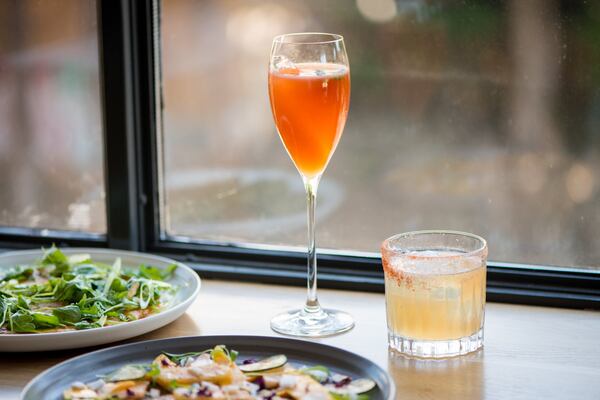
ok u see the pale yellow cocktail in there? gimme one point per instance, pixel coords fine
(435, 295)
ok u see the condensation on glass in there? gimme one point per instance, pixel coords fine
(50, 122)
(476, 116)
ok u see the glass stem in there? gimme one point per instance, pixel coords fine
(312, 303)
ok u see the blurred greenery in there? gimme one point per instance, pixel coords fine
(468, 21)
(585, 24)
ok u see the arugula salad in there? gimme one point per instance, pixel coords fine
(61, 293)
(214, 374)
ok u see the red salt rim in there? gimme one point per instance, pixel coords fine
(403, 276)
(398, 275)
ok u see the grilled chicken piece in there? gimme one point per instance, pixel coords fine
(77, 392)
(163, 361)
(179, 375)
(238, 394)
(221, 372)
(302, 387)
(187, 394)
(201, 369)
(132, 390)
(139, 314)
(171, 372)
(200, 391)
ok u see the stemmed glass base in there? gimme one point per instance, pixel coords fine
(323, 322)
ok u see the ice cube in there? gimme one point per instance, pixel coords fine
(282, 62)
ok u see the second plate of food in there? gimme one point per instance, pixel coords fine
(240, 367)
(78, 297)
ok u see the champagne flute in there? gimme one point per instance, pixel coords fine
(309, 90)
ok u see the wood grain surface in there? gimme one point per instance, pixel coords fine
(529, 352)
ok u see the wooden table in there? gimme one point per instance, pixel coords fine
(530, 352)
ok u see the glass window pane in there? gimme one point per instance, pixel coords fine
(50, 121)
(477, 116)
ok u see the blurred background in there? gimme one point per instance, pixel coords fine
(482, 116)
(50, 121)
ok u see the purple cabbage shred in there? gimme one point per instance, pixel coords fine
(343, 382)
(260, 381)
(204, 391)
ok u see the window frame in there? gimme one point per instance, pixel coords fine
(129, 44)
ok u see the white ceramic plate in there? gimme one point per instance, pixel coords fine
(184, 278)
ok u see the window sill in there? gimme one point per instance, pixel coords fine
(530, 352)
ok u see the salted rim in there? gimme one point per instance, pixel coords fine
(335, 38)
(385, 246)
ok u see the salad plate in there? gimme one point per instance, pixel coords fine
(165, 362)
(72, 323)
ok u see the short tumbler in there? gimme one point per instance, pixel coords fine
(435, 292)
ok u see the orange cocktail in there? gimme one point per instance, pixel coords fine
(310, 104)
(309, 88)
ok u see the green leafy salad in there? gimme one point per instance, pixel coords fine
(60, 293)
